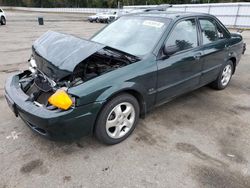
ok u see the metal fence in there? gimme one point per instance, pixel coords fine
(231, 14)
(64, 10)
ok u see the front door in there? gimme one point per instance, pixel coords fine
(181, 71)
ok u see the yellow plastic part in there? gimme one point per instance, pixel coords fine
(60, 99)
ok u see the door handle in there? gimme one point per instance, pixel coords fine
(227, 46)
(197, 56)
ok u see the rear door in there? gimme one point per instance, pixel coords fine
(214, 46)
(180, 72)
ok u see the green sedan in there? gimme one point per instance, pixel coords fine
(101, 86)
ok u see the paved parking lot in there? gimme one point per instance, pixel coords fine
(200, 139)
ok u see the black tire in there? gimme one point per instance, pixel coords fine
(100, 128)
(3, 20)
(217, 84)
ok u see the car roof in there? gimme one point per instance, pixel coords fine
(168, 14)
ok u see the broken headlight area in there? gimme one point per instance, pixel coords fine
(41, 89)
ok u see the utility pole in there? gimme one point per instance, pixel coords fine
(118, 4)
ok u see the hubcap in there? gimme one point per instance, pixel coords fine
(226, 75)
(120, 120)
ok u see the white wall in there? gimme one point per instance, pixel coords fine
(231, 14)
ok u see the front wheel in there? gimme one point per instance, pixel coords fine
(118, 119)
(224, 77)
(3, 21)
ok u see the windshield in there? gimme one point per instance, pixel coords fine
(134, 35)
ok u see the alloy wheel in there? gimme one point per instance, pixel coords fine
(226, 75)
(120, 120)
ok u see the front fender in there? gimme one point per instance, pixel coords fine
(140, 77)
(106, 92)
(126, 86)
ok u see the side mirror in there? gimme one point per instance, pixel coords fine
(170, 50)
(220, 35)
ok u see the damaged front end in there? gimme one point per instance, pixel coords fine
(44, 92)
(61, 61)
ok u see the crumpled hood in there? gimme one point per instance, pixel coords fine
(58, 54)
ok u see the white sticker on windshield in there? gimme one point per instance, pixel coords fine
(153, 23)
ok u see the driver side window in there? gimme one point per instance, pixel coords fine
(183, 37)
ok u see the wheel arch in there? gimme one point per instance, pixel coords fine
(139, 97)
(233, 59)
(135, 93)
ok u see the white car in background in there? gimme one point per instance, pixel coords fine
(94, 18)
(111, 16)
(103, 17)
(2, 17)
(106, 17)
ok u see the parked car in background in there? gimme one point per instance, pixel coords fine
(112, 16)
(101, 86)
(94, 18)
(118, 14)
(107, 17)
(2, 17)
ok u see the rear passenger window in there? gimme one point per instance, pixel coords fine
(1, 10)
(184, 35)
(210, 32)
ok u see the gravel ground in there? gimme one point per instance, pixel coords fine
(200, 139)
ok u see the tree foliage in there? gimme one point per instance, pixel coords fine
(99, 3)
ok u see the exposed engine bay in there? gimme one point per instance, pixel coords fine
(39, 87)
(95, 66)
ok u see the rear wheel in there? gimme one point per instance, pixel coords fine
(224, 77)
(3, 20)
(117, 119)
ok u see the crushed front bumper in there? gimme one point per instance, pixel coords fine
(56, 125)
